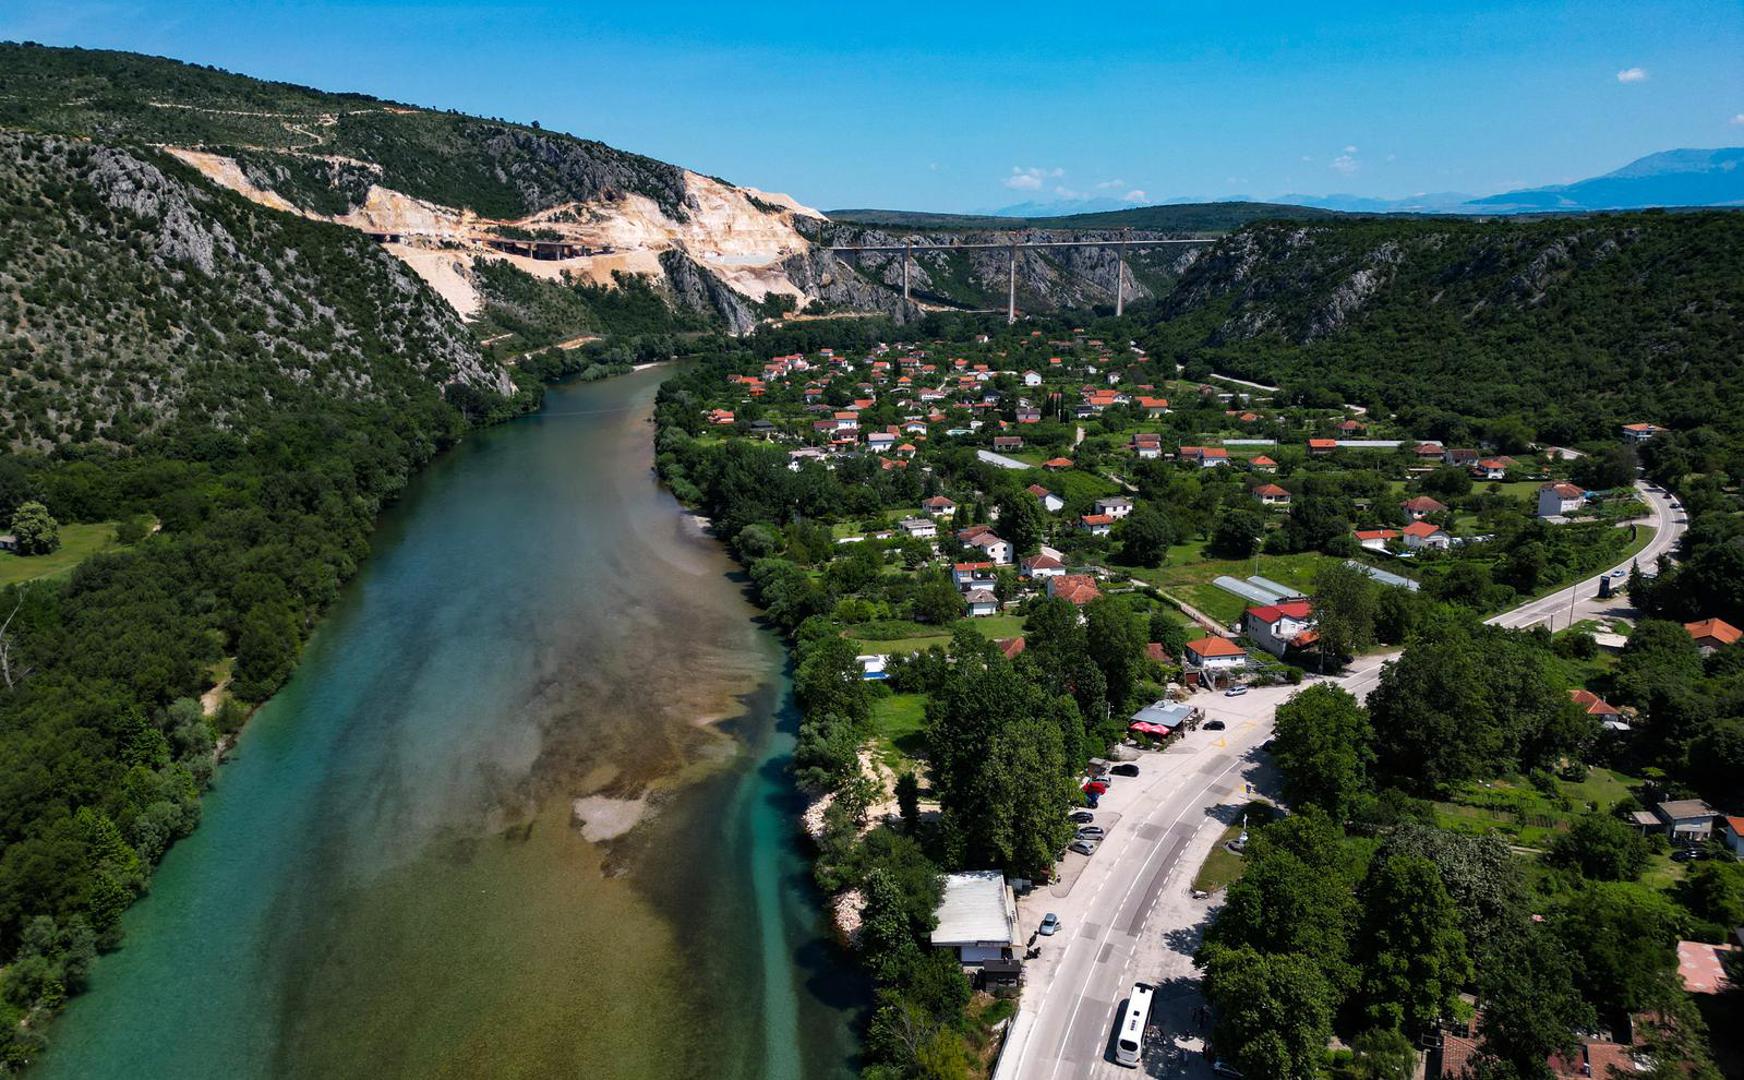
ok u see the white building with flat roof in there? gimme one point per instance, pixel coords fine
(977, 916)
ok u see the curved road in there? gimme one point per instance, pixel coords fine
(1126, 913)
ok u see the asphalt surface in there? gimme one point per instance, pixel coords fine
(1127, 914)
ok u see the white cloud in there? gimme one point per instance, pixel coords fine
(1030, 178)
(1737, 120)
(1135, 195)
(1110, 185)
(1350, 149)
(1307, 157)
(1634, 74)
(1344, 164)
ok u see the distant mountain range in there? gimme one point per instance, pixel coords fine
(1671, 178)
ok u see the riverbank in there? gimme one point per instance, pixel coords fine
(541, 628)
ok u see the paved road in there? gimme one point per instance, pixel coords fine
(1127, 913)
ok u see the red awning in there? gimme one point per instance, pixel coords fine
(1148, 728)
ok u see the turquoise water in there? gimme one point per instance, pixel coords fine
(391, 879)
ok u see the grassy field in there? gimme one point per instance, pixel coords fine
(991, 627)
(1223, 867)
(1189, 579)
(78, 543)
(899, 726)
(1520, 813)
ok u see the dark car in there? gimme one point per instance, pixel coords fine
(1092, 832)
(1127, 769)
(1214, 725)
(1689, 854)
(1083, 817)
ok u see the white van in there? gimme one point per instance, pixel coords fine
(1129, 1041)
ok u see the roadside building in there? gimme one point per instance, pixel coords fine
(1279, 628)
(919, 528)
(977, 917)
(1712, 634)
(1160, 718)
(1211, 657)
(1559, 499)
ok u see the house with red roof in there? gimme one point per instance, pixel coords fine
(1729, 830)
(1712, 634)
(1096, 524)
(1273, 495)
(1558, 499)
(978, 602)
(1640, 432)
(1421, 507)
(1421, 534)
(1281, 627)
(1206, 457)
(1263, 463)
(1210, 657)
(1052, 503)
(1146, 446)
(1376, 539)
(1320, 447)
(1058, 464)
(1041, 567)
(972, 575)
(1078, 589)
(938, 506)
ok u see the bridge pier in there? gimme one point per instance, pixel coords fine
(1120, 274)
(907, 257)
(1011, 288)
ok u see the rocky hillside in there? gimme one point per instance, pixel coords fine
(134, 294)
(1572, 324)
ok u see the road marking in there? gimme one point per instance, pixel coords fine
(1072, 1017)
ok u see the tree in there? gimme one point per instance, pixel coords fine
(908, 798)
(1115, 639)
(1601, 847)
(1324, 748)
(1145, 536)
(1273, 1013)
(1414, 957)
(937, 601)
(1383, 1054)
(1022, 522)
(36, 531)
(1532, 1008)
(1169, 632)
(1237, 534)
(1344, 610)
(1622, 937)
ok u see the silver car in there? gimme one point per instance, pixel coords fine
(1084, 847)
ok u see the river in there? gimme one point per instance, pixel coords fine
(389, 881)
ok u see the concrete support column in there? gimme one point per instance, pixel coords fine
(1011, 289)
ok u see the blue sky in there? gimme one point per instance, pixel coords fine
(972, 106)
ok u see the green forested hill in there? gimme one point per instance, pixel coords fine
(133, 296)
(496, 168)
(1181, 217)
(1571, 324)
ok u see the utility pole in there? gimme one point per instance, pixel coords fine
(907, 257)
(1120, 274)
(1011, 289)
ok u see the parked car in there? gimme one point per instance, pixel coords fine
(1268, 744)
(1126, 769)
(1083, 847)
(1082, 817)
(1689, 854)
(1092, 832)
(1235, 691)
(1619, 572)
(1050, 925)
(1214, 725)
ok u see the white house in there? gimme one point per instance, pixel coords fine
(1421, 507)
(1686, 819)
(1214, 656)
(1421, 534)
(1147, 447)
(993, 547)
(1273, 495)
(1207, 457)
(1730, 831)
(1038, 567)
(1376, 539)
(938, 506)
(1032, 378)
(1640, 432)
(1114, 506)
(972, 575)
(919, 528)
(1278, 628)
(1556, 500)
(1096, 524)
(981, 602)
(1052, 503)
(977, 916)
